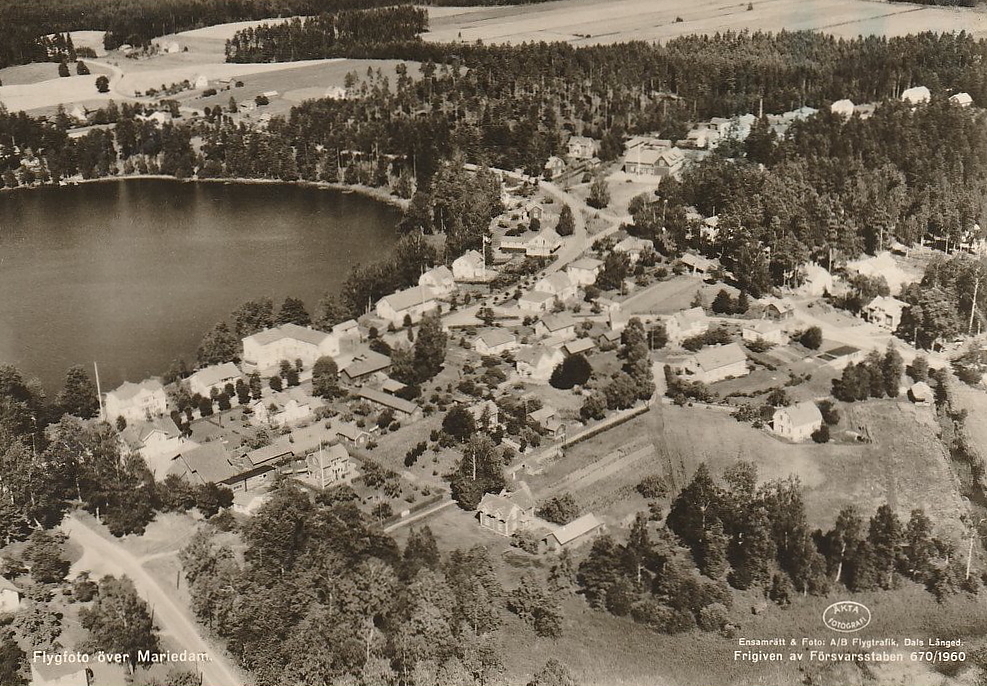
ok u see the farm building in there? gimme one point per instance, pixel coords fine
(717, 363)
(841, 356)
(573, 534)
(136, 401)
(797, 422)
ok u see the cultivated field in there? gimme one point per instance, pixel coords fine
(589, 22)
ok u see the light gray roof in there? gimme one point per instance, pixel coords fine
(210, 376)
(719, 356)
(409, 297)
(557, 322)
(802, 414)
(128, 390)
(576, 528)
(290, 330)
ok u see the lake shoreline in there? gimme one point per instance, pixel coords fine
(378, 194)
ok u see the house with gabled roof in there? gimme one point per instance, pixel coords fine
(686, 324)
(495, 342)
(537, 362)
(202, 464)
(961, 99)
(412, 302)
(439, 279)
(916, 95)
(561, 326)
(535, 301)
(351, 433)
(717, 363)
(797, 422)
(767, 330)
(364, 366)
(554, 167)
(215, 376)
(557, 284)
(330, 465)
(885, 311)
(10, 597)
(469, 267)
(634, 246)
(402, 409)
(573, 534)
(506, 512)
(582, 147)
(266, 349)
(136, 401)
(583, 272)
(156, 440)
(545, 244)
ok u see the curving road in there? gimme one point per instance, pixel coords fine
(170, 616)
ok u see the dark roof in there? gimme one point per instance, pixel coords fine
(367, 363)
(388, 400)
(209, 462)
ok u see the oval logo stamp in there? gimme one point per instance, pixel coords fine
(846, 616)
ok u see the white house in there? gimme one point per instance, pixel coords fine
(535, 301)
(698, 264)
(330, 465)
(10, 597)
(469, 267)
(844, 108)
(961, 99)
(495, 342)
(505, 513)
(554, 167)
(172, 47)
(216, 376)
(440, 279)
(686, 324)
(561, 326)
(884, 311)
(710, 365)
(279, 413)
(136, 401)
(583, 272)
(583, 147)
(650, 162)
(486, 414)
(201, 82)
(916, 95)
(537, 362)
(544, 244)
(573, 534)
(766, 330)
(634, 246)
(413, 302)
(157, 441)
(558, 285)
(797, 422)
(265, 349)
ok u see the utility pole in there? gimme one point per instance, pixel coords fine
(99, 393)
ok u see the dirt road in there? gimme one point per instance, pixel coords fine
(171, 618)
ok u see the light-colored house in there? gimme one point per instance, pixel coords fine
(580, 346)
(278, 413)
(686, 324)
(216, 376)
(439, 279)
(10, 597)
(961, 99)
(916, 95)
(495, 342)
(573, 534)
(469, 267)
(921, 393)
(583, 272)
(884, 311)
(202, 464)
(651, 162)
(487, 411)
(554, 167)
(537, 362)
(776, 308)
(561, 326)
(156, 440)
(766, 330)
(330, 465)
(557, 284)
(548, 419)
(535, 301)
(403, 409)
(201, 82)
(844, 108)
(413, 302)
(266, 349)
(171, 48)
(136, 401)
(717, 363)
(544, 244)
(506, 512)
(797, 422)
(816, 281)
(582, 147)
(634, 246)
(60, 674)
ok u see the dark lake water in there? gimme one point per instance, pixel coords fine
(133, 273)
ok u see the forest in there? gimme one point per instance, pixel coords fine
(326, 34)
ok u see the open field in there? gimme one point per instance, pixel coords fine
(904, 465)
(585, 22)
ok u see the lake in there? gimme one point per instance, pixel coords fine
(132, 273)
